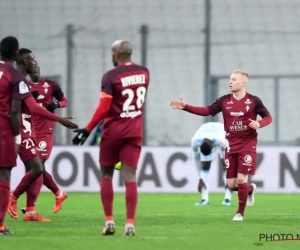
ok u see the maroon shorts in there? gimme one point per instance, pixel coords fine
(45, 144)
(7, 148)
(243, 163)
(126, 150)
(28, 149)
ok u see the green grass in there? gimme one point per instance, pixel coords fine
(164, 221)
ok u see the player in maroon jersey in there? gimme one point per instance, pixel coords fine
(44, 91)
(14, 98)
(10, 138)
(121, 105)
(29, 154)
(240, 110)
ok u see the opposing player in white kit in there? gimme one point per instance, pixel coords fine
(208, 140)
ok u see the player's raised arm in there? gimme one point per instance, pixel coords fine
(35, 108)
(212, 109)
(99, 115)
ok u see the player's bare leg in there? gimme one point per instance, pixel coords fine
(4, 193)
(203, 186)
(107, 198)
(31, 182)
(131, 195)
(60, 195)
(244, 189)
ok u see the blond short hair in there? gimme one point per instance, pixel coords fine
(241, 72)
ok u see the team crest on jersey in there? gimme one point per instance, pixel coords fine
(248, 102)
(247, 108)
(46, 86)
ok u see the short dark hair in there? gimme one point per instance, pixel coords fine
(23, 51)
(206, 147)
(9, 47)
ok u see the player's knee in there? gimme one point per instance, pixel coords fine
(5, 174)
(37, 168)
(107, 172)
(242, 179)
(129, 173)
(232, 184)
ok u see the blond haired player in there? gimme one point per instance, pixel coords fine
(208, 141)
(239, 110)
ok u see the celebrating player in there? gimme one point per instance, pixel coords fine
(240, 110)
(43, 90)
(121, 106)
(209, 139)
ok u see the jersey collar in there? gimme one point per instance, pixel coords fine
(126, 64)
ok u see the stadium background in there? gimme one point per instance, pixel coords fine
(186, 55)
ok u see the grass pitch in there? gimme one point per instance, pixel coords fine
(164, 221)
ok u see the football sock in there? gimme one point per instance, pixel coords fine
(59, 194)
(227, 190)
(205, 179)
(32, 193)
(23, 185)
(196, 158)
(250, 189)
(224, 179)
(243, 196)
(107, 197)
(227, 193)
(4, 194)
(131, 197)
(50, 184)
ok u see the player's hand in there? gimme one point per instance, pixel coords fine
(82, 135)
(35, 94)
(65, 121)
(52, 106)
(180, 104)
(254, 124)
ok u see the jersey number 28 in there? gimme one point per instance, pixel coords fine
(140, 93)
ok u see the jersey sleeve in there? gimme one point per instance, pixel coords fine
(57, 92)
(260, 108)
(19, 87)
(107, 84)
(196, 142)
(216, 106)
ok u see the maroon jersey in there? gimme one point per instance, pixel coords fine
(236, 114)
(13, 85)
(46, 91)
(127, 84)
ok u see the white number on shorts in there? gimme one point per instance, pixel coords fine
(227, 163)
(140, 93)
(1, 73)
(28, 143)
